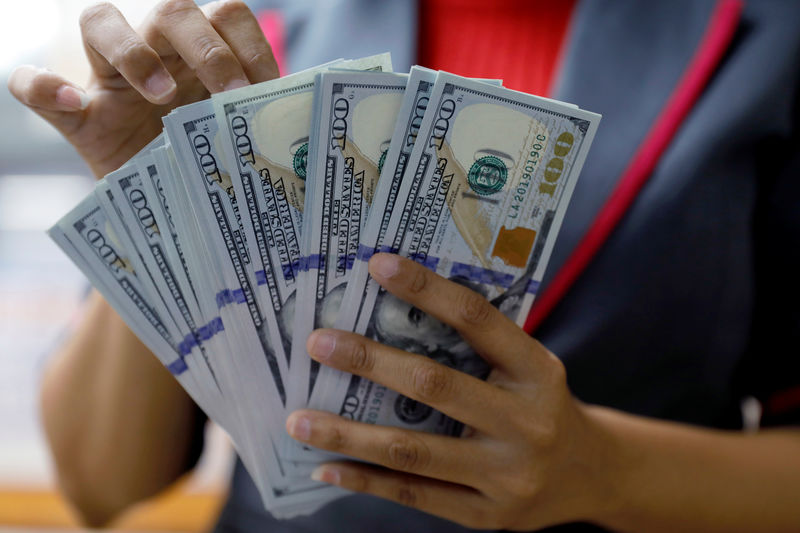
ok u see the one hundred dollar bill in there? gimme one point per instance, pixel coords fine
(86, 236)
(251, 373)
(362, 288)
(357, 112)
(155, 175)
(486, 188)
(373, 234)
(264, 141)
(99, 263)
(194, 136)
(122, 231)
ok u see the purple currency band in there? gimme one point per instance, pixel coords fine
(314, 261)
(481, 275)
(226, 296)
(532, 287)
(425, 260)
(177, 367)
(345, 262)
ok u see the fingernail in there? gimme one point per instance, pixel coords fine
(159, 85)
(236, 84)
(300, 428)
(327, 474)
(384, 265)
(322, 346)
(72, 97)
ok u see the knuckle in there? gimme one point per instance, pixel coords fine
(474, 309)
(260, 60)
(545, 436)
(129, 51)
(359, 482)
(418, 281)
(36, 89)
(407, 454)
(406, 494)
(521, 488)
(558, 373)
(431, 382)
(361, 359)
(334, 439)
(213, 53)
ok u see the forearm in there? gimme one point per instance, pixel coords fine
(672, 477)
(118, 424)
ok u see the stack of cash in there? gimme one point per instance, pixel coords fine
(249, 221)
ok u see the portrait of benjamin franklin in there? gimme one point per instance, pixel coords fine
(400, 324)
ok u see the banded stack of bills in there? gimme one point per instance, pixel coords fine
(249, 222)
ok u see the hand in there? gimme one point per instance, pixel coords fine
(530, 456)
(180, 55)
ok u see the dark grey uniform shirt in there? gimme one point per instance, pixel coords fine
(692, 304)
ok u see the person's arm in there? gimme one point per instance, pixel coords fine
(673, 477)
(119, 426)
(535, 456)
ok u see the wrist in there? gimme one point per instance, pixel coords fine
(609, 463)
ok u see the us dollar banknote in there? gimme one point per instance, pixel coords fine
(372, 237)
(251, 374)
(485, 191)
(136, 213)
(86, 235)
(193, 133)
(357, 113)
(264, 140)
(154, 176)
(122, 230)
(362, 288)
(130, 215)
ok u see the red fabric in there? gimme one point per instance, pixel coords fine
(518, 41)
(713, 45)
(271, 23)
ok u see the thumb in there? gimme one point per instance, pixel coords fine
(60, 102)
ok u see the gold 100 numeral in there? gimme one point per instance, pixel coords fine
(554, 167)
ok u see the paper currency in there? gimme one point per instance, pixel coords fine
(249, 222)
(357, 113)
(484, 193)
(265, 140)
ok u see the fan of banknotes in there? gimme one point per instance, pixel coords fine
(249, 221)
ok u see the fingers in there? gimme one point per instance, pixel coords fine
(180, 26)
(46, 91)
(456, 503)
(52, 97)
(493, 335)
(235, 23)
(435, 456)
(114, 48)
(454, 393)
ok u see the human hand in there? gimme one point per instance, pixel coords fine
(531, 455)
(180, 55)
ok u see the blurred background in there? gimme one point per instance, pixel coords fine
(41, 292)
